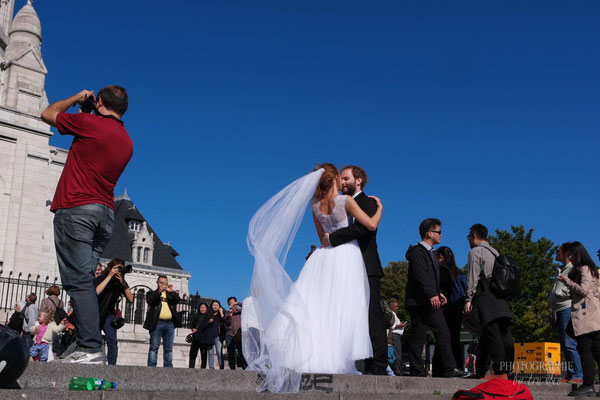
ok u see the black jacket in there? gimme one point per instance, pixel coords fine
(153, 300)
(367, 240)
(206, 331)
(423, 282)
(16, 321)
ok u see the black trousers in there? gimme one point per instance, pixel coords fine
(377, 329)
(588, 347)
(204, 348)
(232, 346)
(496, 343)
(454, 322)
(422, 319)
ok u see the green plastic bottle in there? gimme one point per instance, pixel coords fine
(79, 383)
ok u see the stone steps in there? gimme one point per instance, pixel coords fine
(49, 381)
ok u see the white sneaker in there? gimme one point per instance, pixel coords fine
(82, 357)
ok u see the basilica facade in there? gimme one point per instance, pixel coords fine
(29, 172)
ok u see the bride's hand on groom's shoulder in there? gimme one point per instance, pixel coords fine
(377, 200)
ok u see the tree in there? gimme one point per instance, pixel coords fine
(393, 285)
(536, 263)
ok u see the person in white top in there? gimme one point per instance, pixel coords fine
(396, 337)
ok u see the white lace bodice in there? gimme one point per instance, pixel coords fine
(337, 219)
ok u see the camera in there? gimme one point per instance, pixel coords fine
(88, 105)
(125, 269)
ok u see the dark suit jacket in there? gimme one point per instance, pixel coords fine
(153, 313)
(423, 282)
(367, 240)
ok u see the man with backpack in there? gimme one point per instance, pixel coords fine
(486, 315)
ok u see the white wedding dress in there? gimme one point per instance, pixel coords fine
(318, 324)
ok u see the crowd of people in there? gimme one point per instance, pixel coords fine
(443, 299)
(213, 328)
(439, 297)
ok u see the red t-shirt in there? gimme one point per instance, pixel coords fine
(99, 153)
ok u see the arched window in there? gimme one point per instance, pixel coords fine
(140, 305)
(128, 315)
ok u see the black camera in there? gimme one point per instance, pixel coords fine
(88, 105)
(125, 269)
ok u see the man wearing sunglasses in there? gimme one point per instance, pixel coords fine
(424, 301)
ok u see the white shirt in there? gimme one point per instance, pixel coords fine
(350, 216)
(398, 331)
(428, 247)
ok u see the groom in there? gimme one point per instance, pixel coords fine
(354, 180)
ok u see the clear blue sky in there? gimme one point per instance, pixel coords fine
(467, 111)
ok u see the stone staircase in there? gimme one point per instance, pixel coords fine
(50, 381)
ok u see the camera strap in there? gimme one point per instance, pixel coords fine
(98, 113)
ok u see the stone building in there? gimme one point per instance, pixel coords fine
(29, 166)
(134, 241)
(29, 172)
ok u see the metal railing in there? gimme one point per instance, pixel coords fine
(17, 288)
(13, 289)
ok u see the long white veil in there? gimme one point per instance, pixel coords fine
(274, 318)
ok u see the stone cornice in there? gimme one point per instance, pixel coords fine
(20, 127)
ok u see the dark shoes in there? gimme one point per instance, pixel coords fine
(583, 391)
(455, 373)
(377, 371)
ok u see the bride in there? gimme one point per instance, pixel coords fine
(318, 324)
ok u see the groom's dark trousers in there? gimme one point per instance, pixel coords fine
(367, 241)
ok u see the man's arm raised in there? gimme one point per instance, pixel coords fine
(50, 113)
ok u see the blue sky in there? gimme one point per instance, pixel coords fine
(466, 111)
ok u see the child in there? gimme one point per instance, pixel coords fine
(43, 331)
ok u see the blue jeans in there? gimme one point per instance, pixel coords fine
(110, 337)
(218, 347)
(166, 331)
(80, 235)
(568, 344)
(40, 350)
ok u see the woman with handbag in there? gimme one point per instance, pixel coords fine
(110, 286)
(204, 333)
(582, 281)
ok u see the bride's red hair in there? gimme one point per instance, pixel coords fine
(328, 178)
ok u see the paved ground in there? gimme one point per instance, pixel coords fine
(50, 381)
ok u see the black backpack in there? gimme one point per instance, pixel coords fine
(505, 281)
(59, 313)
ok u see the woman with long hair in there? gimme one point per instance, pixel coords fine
(218, 313)
(452, 284)
(319, 323)
(110, 286)
(204, 331)
(582, 281)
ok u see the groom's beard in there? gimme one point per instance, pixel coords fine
(349, 190)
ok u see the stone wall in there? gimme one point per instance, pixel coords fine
(134, 342)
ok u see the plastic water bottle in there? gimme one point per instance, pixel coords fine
(79, 383)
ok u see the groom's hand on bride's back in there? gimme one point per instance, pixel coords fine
(325, 240)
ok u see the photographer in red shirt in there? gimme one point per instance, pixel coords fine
(84, 202)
